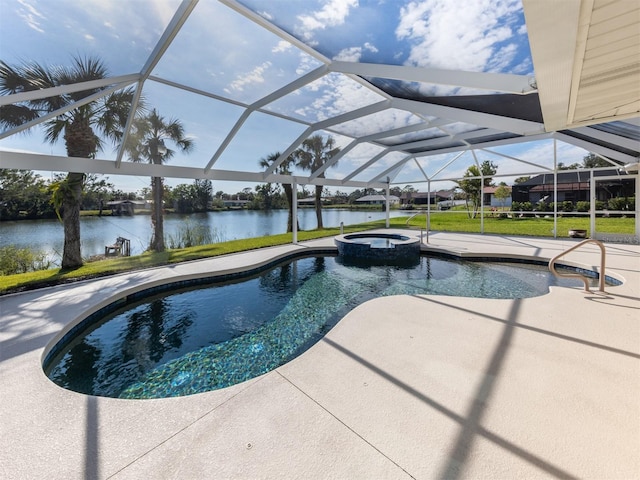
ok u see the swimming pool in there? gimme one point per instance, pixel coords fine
(198, 339)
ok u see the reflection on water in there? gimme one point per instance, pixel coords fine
(200, 339)
(96, 232)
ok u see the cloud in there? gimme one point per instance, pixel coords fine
(354, 54)
(351, 54)
(333, 13)
(30, 15)
(282, 46)
(335, 94)
(502, 58)
(254, 76)
(461, 35)
(372, 48)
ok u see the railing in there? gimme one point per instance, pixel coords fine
(411, 217)
(582, 277)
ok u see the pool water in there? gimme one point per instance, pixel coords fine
(205, 338)
(376, 242)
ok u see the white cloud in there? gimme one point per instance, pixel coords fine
(282, 46)
(332, 14)
(351, 54)
(254, 76)
(338, 94)
(265, 14)
(372, 48)
(502, 58)
(354, 54)
(306, 64)
(460, 35)
(30, 15)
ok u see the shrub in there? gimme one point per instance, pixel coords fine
(544, 207)
(583, 206)
(21, 260)
(619, 203)
(567, 206)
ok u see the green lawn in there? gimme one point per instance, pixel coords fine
(451, 221)
(456, 221)
(41, 278)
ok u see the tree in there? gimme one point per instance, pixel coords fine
(78, 126)
(573, 166)
(397, 191)
(265, 198)
(146, 143)
(96, 192)
(203, 194)
(472, 187)
(502, 193)
(592, 160)
(314, 153)
(192, 198)
(184, 198)
(23, 194)
(283, 169)
(341, 197)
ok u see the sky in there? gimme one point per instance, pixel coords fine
(228, 55)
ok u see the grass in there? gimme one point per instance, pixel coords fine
(457, 221)
(450, 221)
(110, 266)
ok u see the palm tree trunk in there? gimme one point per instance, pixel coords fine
(157, 239)
(288, 192)
(80, 142)
(71, 256)
(319, 205)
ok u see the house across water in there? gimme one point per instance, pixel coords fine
(574, 186)
(127, 207)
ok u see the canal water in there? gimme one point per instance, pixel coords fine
(47, 236)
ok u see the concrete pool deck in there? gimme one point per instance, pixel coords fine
(403, 387)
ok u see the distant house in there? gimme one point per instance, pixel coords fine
(127, 207)
(422, 198)
(378, 200)
(235, 203)
(307, 202)
(574, 186)
(490, 199)
(310, 201)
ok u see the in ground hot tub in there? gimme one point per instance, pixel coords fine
(378, 247)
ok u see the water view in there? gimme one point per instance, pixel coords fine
(202, 338)
(96, 232)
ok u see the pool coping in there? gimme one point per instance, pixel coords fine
(312, 424)
(139, 292)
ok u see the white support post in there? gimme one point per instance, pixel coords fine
(481, 203)
(637, 208)
(388, 192)
(428, 219)
(294, 211)
(592, 205)
(555, 189)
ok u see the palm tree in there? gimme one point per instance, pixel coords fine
(312, 155)
(146, 143)
(78, 126)
(283, 169)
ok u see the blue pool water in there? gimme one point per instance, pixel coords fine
(204, 338)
